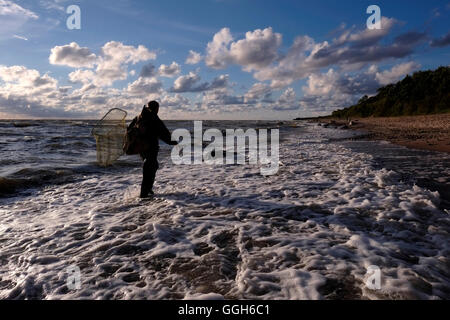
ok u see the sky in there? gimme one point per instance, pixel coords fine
(210, 59)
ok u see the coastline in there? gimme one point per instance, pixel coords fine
(424, 132)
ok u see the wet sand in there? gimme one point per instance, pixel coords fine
(429, 132)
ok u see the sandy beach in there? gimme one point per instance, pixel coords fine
(428, 132)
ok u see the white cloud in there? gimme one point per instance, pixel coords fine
(191, 83)
(186, 82)
(332, 89)
(115, 51)
(259, 91)
(220, 98)
(352, 50)
(396, 73)
(9, 8)
(217, 52)
(72, 55)
(144, 86)
(23, 88)
(177, 101)
(169, 71)
(321, 83)
(257, 50)
(19, 77)
(115, 56)
(288, 96)
(193, 57)
(351, 61)
(82, 76)
(111, 64)
(26, 92)
(287, 101)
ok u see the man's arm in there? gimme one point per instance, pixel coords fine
(164, 134)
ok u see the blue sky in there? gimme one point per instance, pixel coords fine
(249, 59)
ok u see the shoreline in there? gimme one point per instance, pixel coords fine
(423, 132)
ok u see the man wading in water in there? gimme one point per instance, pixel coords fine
(151, 129)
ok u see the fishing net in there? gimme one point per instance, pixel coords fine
(109, 134)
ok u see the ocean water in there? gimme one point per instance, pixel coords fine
(337, 205)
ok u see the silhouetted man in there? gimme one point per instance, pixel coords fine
(152, 129)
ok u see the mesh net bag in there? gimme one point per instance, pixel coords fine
(109, 134)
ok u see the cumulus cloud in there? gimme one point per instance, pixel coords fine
(220, 98)
(144, 86)
(37, 93)
(72, 55)
(217, 52)
(192, 83)
(287, 101)
(351, 50)
(19, 77)
(337, 72)
(332, 89)
(186, 83)
(321, 83)
(396, 73)
(293, 65)
(287, 96)
(115, 56)
(111, 64)
(193, 57)
(174, 101)
(169, 71)
(341, 85)
(259, 91)
(82, 76)
(26, 91)
(257, 50)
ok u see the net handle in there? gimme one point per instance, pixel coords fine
(98, 122)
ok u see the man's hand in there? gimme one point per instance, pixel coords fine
(173, 143)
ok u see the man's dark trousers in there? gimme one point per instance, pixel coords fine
(149, 172)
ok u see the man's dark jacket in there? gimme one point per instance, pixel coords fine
(152, 129)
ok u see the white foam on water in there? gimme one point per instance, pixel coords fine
(213, 232)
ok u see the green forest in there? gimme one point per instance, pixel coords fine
(425, 92)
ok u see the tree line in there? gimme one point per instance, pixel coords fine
(425, 92)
